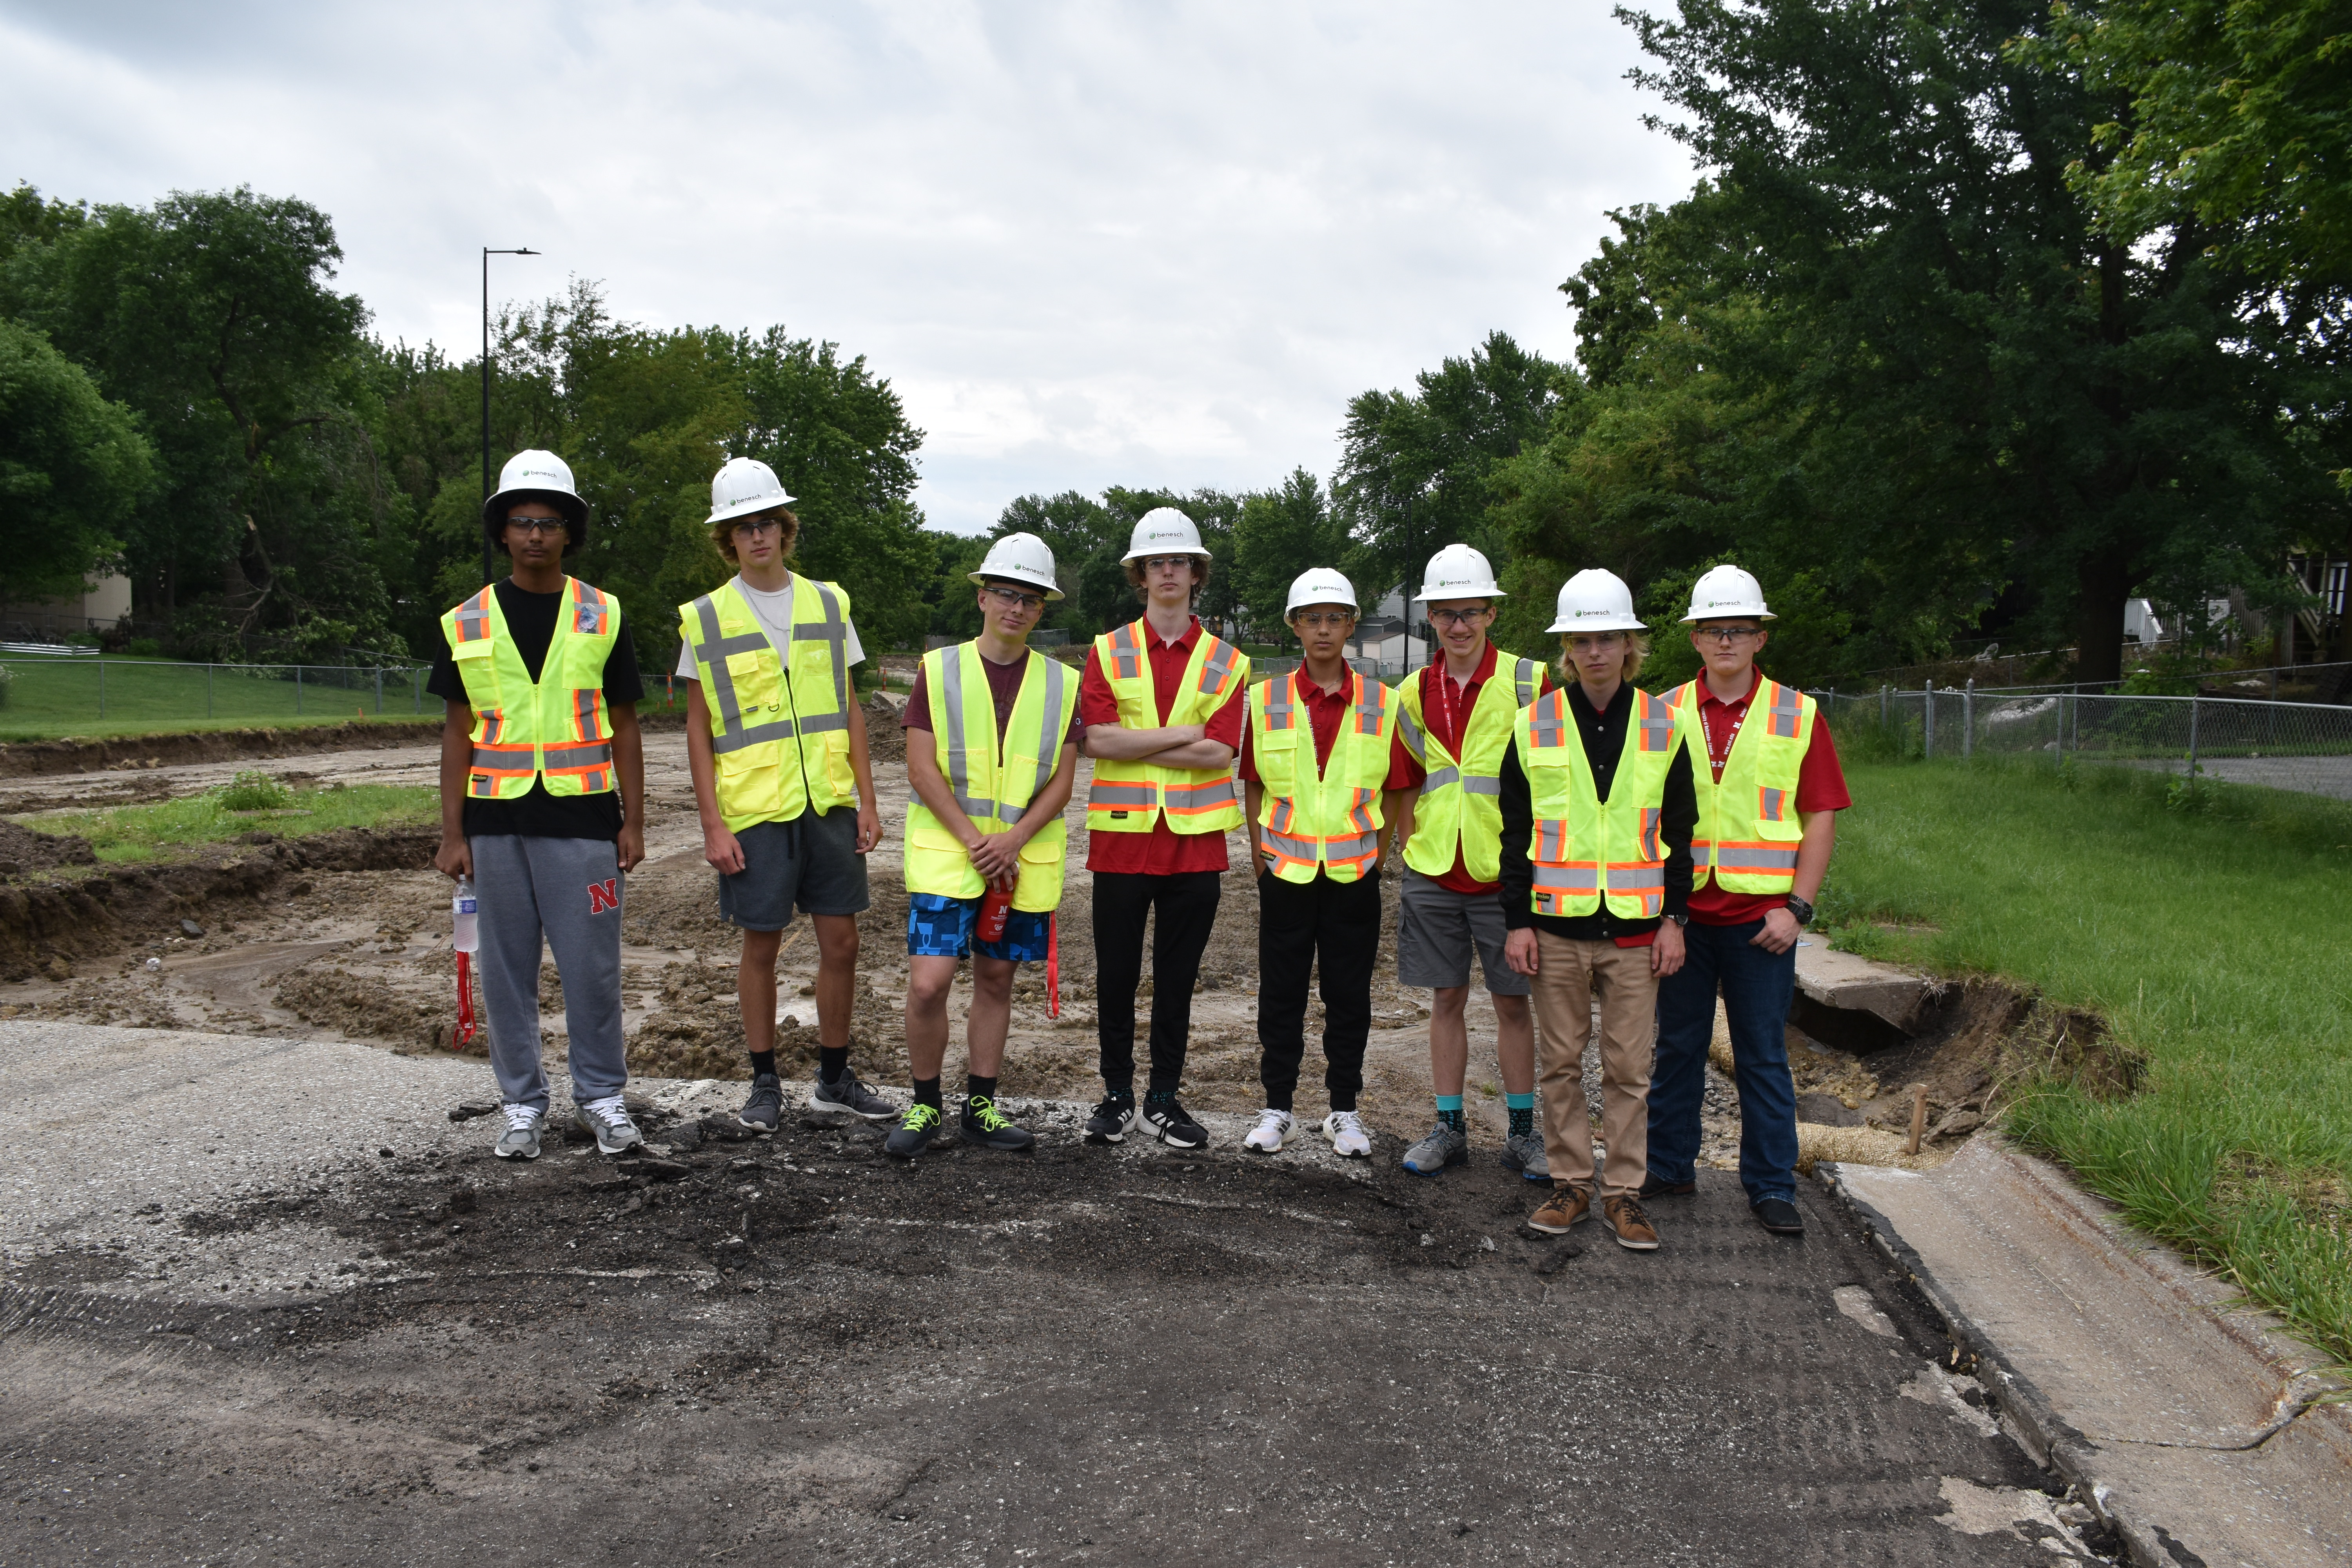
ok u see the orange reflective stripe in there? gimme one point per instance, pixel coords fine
(1218, 666)
(1549, 720)
(1127, 654)
(590, 609)
(1771, 804)
(473, 618)
(1192, 799)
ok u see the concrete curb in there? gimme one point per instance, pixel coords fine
(2028, 1412)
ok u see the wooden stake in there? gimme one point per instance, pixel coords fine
(1919, 1118)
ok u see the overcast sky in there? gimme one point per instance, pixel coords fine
(1089, 243)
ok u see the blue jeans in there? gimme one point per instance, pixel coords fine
(1758, 988)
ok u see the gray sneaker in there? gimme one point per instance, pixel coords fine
(1444, 1146)
(765, 1108)
(847, 1097)
(608, 1119)
(521, 1140)
(1524, 1152)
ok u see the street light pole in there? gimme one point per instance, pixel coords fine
(488, 567)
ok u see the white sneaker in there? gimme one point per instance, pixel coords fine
(608, 1119)
(1273, 1127)
(1349, 1139)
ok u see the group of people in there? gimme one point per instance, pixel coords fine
(1598, 851)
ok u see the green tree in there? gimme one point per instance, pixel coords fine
(73, 470)
(1280, 533)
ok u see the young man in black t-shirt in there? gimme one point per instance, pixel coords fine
(546, 863)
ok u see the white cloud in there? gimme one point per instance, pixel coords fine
(1090, 244)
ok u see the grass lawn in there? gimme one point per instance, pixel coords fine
(50, 697)
(130, 834)
(2209, 933)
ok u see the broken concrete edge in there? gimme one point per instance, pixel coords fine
(2028, 1415)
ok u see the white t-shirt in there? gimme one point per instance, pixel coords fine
(774, 614)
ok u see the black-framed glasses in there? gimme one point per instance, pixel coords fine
(1727, 635)
(752, 527)
(1457, 618)
(1012, 599)
(537, 525)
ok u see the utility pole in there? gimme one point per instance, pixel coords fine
(489, 567)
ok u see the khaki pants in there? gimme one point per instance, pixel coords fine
(1566, 974)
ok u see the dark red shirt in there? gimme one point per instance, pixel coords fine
(1324, 710)
(1163, 851)
(1003, 691)
(1445, 710)
(1821, 786)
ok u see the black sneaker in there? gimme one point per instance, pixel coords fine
(1172, 1125)
(1654, 1186)
(1780, 1216)
(1111, 1120)
(765, 1108)
(914, 1131)
(985, 1125)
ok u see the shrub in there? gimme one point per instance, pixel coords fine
(253, 790)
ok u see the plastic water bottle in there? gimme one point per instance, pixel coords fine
(465, 934)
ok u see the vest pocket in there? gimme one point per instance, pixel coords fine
(1043, 862)
(758, 693)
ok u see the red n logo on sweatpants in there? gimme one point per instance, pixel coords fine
(604, 895)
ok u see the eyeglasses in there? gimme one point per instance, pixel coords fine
(536, 525)
(1726, 635)
(1597, 642)
(1161, 563)
(1014, 601)
(1315, 620)
(758, 526)
(1457, 618)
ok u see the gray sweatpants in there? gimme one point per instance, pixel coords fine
(567, 890)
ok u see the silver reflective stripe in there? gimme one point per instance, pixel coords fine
(574, 756)
(1547, 722)
(589, 612)
(1772, 804)
(1527, 681)
(756, 735)
(823, 723)
(1350, 849)
(1219, 663)
(834, 632)
(1370, 701)
(1052, 728)
(976, 808)
(1277, 701)
(1786, 707)
(583, 710)
(1297, 848)
(1657, 725)
(1475, 784)
(1218, 791)
(959, 760)
(1568, 878)
(1413, 742)
(504, 761)
(1441, 779)
(473, 618)
(1645, 880)
(1121, 795)
(1734, 858)
(1551, 839)
(1702, 853)
(711, 650)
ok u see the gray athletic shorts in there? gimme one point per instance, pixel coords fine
(810, 863)
(1437, 931)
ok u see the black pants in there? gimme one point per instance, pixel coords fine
(1187, 906)
(1299, 922)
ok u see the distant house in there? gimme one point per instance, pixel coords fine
(104, 602)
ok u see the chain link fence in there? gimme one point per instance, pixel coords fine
(2303, 746)
(39, 694)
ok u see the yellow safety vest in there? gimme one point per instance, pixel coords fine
(555, 728)
(1747, 823)
(1128, 797)
(1327, 818)
(1584, 848)
(1460, 806)
(992, 777)
(781, 744)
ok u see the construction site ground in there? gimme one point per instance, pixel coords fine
(266, 1302)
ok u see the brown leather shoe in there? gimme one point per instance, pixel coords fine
(1659, 1187)
(1565, 1207)
(1635, 1231)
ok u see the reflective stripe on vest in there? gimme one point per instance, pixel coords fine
(1586, 850)
(1351, 822)
(779, 718)
(554, 730)
(1735, 847)
(1130, 795)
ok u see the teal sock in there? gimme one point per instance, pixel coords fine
(1449, 1111)
(1523, 1113)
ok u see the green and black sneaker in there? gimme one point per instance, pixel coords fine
(914, 1132)
(985, 1125)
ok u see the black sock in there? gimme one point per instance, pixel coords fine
(927, 1092)
(832, 1061)
(763, 1062)
(1523, 1121)
(1119, 1091)
(1334, 1102)
(978, 1088)
(1452, 1119)
(1160, 1097)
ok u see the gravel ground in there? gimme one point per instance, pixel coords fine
(234, 1332)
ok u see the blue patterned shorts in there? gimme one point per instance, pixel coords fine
(940, 927)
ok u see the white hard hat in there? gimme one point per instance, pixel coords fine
(1320, 585)
(1596, 601)
(1458, 572)
(743, 486)
(1019, 558)
(536, 476)
(1725, 591)
(1164, 531)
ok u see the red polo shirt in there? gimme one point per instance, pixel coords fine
(1324, 710)
(1445, 708)
(1821, 786)
(1163, 851)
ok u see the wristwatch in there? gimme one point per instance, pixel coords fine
(1679, 920)
(1802, 910)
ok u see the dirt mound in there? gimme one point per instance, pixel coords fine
(885, 738)
(696, 1030)
(363, 1007)
(22, 850)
